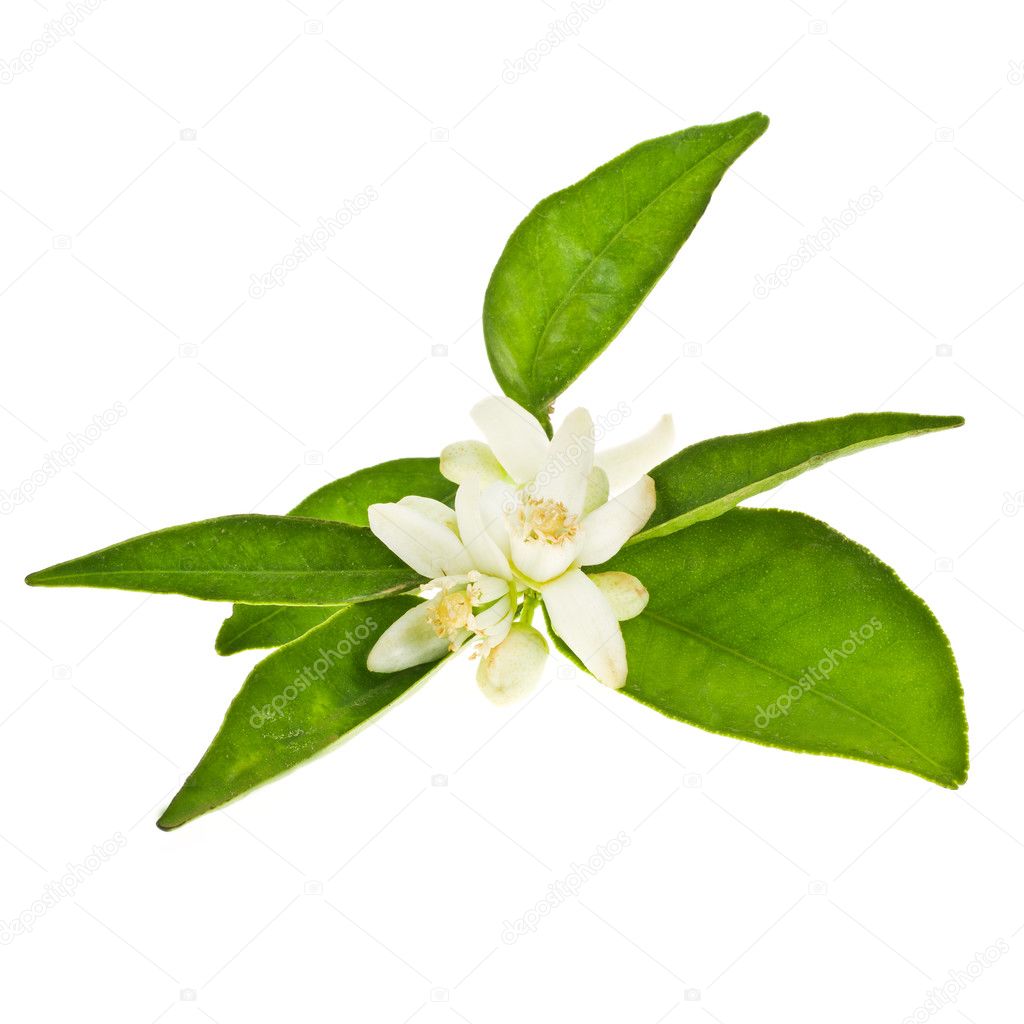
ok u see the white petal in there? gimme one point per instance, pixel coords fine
(626, 463)
(606, 529)
(597, 490)
(497, 502)
(484, 552)
(515, 437)
(497, 633)
(433, 509)
(514, 667)
(490, 617)
(567, 463)
(585, 621)
(490, 588)
(419, 540)
(627, 596)
(539, 561)
(465, 459)
(409, 640)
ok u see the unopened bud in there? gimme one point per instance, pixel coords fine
(513, 668)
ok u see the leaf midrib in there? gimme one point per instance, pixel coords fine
(209, 572)
(823, 694)
(625, 224)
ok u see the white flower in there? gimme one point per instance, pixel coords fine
(544, 507)
(476, 592)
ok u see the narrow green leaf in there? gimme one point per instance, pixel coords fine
(252, 626)
(345, 500)
(254, 559)
(584, 259)
(713, 476)
(295, 703)
(771, 627)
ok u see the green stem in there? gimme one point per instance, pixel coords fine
(531, 600)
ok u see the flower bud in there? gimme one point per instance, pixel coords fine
(513, 668)
(626, 594)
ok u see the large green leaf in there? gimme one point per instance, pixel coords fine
(294, 704)
(251, 558)
(711, 477)
(584, 259)
(772, 627)
(345, 500)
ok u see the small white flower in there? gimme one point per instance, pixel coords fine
(476, 592)
(544, 506)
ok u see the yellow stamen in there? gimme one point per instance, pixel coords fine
(546, 520)
(451, 615)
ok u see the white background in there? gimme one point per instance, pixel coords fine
(756, 884)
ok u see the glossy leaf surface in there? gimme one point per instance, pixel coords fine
(772, 627)
(584, 259)
(250, 558)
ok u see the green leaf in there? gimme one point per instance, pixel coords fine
(345, 500)
(294, 704)
(251, 558)
(711, 477)
(584, 259)
(251, 626)
(771, 627)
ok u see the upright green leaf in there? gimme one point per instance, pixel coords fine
(251, 558)
(345, 500)
(584, 259)
(771, 627)
(295, 703)
(713, 476)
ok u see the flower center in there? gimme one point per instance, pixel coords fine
(545, 520)
(451, 614)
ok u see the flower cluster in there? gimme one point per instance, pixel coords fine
(530, 514)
